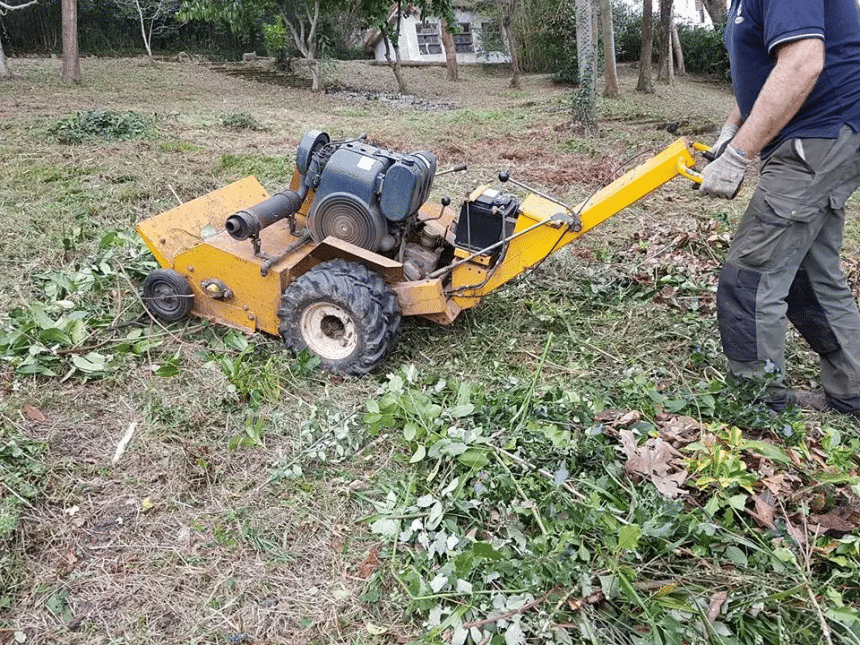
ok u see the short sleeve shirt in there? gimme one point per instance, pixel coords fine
(754, 31)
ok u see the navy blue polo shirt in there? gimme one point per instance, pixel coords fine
(754, 31)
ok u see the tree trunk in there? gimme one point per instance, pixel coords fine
(394, 64)
(665, 71)
(507, 21)
(717, 11)
(645, 83)
(610, 70)
(585, 95)
(680, 68)
(71, 56)
(450, 50)
(4, 71)
(147, 36)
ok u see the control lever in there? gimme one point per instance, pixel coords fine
(505, 176)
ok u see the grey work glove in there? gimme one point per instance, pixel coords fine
(724, 175)
(726, 135)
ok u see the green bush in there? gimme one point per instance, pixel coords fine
(277, 46)
(88, 125)
(627, 23)
(704, 51)
(241, 121)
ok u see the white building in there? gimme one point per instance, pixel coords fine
(479, 40)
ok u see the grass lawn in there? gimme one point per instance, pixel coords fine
(563, 464)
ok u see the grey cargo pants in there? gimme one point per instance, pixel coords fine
(784, 264)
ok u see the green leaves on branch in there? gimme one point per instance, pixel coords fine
(67, 328)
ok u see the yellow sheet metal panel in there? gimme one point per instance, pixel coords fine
(255, 299)
(420, 297)
(179, 229)
(332, 248)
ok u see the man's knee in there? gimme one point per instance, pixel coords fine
(736, 311)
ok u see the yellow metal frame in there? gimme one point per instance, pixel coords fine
(471, 281)
(191, 240)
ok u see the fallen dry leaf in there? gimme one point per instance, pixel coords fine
(717, 601)
(657, 460)
(764, 511)
(841, 520)
(33, 413)
(369, 564)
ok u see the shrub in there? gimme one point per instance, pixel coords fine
(241, 121)
(88, 125)
(704, 51)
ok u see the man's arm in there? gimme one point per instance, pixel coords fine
(798, 64)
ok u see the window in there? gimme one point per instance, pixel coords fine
(428, 38)
(491, 37)
(463, 40)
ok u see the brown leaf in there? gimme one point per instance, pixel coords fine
(764, 511)
(795, 533)
(33, 413)
(655, 459)
(369, 564)
(836, 520)
(775, 484)
(717, 601)
(670, 485)
(629, 419)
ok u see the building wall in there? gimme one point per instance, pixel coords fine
(411, 50)
(689, 12)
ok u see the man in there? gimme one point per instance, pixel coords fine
(796, 77)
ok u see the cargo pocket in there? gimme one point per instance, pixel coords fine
(779, 227)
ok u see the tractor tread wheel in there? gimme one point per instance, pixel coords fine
(167, 295)
(359, 295)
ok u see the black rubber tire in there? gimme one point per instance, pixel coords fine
(167, 295)
(342, 312)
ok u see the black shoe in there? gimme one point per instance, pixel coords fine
(797, 400)
(850, 406)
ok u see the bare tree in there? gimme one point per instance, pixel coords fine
(645, 83)
(610, 71)
(71, 55)
(303, 27)
(665, 67)
(4, 7)
(716, 10)
(680, 67)
(509, 8)
(154, 17)
(450, 50)
(585, 95)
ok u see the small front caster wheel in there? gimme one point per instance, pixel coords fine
(167, 295)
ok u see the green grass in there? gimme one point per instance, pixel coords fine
(260, 497)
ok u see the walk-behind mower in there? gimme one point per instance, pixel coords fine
(332, 263)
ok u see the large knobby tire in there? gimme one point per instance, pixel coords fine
(343, 313)
(167, 295)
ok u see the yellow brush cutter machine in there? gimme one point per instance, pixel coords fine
(333, 263)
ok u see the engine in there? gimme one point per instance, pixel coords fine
(363, 194)
(366, 195)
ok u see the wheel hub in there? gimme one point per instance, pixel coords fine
(328, 331)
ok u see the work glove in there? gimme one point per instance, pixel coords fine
(726, 135)
(724, 175)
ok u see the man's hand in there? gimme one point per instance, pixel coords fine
(727, 133)
(723, 176)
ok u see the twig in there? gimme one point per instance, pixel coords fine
(513, 612)
(174, 194)
(120, 448)
(20, 499)
(805, 572)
